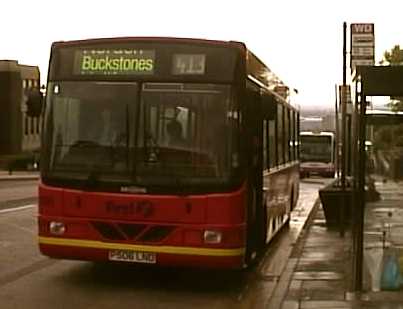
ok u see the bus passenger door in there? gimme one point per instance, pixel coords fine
(256, 211)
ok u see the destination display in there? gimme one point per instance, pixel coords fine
(114, 62)
(187, 64)
(145, 61)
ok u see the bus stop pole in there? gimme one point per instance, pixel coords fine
(337, 147)
(360, 201)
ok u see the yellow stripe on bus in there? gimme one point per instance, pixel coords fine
(156, 249)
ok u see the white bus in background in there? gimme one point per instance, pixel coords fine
(317, 154)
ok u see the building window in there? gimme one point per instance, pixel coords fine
(26, 123)
(38, 121)
(32, 126)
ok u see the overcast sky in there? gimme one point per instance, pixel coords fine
(301, 41)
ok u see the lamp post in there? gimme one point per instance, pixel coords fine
(343, 102)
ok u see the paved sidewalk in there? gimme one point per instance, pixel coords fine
(19, 175)
(320, 267)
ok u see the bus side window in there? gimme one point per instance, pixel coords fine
(286, 135)
(272, 143)
(292, 135)
(280, 134)
(265, 143)
(297, 136)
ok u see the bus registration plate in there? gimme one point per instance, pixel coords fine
(133, 256)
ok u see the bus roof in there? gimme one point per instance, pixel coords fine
(256, 70)
(95, 41)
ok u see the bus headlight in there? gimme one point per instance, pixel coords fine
(212, 237)
(57, 228)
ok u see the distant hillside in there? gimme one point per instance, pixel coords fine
(316, 111)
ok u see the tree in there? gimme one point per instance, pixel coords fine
(394, 57)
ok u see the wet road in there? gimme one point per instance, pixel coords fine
(29, 280)
(17, 193)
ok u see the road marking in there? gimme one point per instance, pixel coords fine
(17, 208)
(25, 271)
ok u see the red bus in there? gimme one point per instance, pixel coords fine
(164, 151)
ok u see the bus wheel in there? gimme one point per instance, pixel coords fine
(287, 223)
(262, 228)
(256, 242)
(292, 200)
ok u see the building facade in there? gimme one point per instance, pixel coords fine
(18, 132)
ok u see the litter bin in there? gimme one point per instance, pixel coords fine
(336, 203)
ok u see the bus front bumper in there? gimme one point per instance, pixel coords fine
(194, 257)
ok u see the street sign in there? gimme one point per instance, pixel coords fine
(362, 45)
(365, 51)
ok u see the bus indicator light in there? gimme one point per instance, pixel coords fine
(212, 237)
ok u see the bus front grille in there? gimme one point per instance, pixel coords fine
(156, 233)
(132, 232)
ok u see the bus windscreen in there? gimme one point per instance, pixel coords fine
(120, 132)
(316, 148)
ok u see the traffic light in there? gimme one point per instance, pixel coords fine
(34, 103)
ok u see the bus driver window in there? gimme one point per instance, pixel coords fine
(175, 130)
